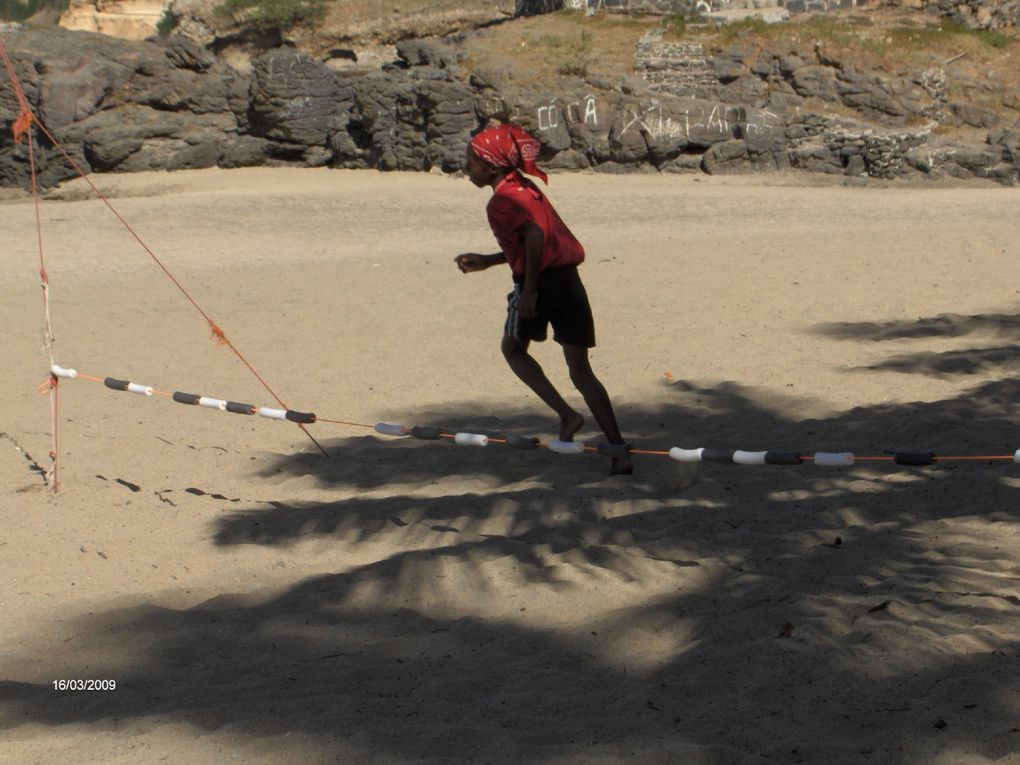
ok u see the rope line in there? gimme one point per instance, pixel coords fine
(430, 433)
(22, 129)
(25, 119)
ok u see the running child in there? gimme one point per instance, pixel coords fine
(543, 256)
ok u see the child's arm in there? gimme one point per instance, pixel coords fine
(534, 249)
(472, 261)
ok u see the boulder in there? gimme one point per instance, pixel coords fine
(815, 156)
(387, 115)
(727, 158)
(140, 138)
(815, 81)
(295, 99)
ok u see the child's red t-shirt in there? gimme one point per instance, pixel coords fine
(518, 200)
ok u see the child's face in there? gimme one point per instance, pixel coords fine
(480, 172)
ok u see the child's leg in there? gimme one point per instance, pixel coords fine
(530, 372)
(597, 399)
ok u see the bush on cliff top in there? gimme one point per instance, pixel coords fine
(19, 10)
(274, 11)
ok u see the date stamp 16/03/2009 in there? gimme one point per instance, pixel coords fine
(84, 685)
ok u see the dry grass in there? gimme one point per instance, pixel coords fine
(373, 22)
(893, 41)
(981, 67)
(541, 49)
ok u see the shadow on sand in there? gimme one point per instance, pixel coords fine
(801, 614)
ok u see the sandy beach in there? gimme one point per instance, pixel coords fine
(402, 600)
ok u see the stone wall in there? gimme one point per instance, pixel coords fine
(818, 6)
(676, 67)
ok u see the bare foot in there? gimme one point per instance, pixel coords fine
(569, 425)
(622, 466)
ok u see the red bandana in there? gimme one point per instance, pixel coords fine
(508, 146)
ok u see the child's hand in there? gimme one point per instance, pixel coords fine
(527, 304)
(471, 261)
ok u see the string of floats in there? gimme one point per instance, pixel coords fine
(432, 433)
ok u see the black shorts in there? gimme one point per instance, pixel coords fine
(562, 302)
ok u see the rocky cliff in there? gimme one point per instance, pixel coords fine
(171, 103)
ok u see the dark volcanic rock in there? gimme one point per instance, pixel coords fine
(166, 103)
(295, 99)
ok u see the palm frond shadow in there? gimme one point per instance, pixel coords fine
(794, 589)
(526, 488)
(946, 364)
(942, 325)
(324, 660)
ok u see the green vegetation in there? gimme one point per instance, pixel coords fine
(572, 55)
(605, 20)
(836, 30)
(275, 11)
(752, 25)
(166, 22)
(549, 41)
(933, 34)
(580, 56)
(19, 10)
(675, 25)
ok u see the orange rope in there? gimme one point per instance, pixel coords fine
(24, 120)
(344, 422)
(22, 129)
